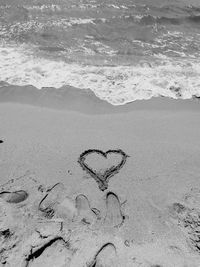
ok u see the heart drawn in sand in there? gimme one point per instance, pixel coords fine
(102, 178)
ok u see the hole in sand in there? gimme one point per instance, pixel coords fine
(14, 197)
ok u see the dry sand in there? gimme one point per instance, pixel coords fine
(55, 213)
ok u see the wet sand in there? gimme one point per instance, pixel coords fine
(85, 101)
(144, 212)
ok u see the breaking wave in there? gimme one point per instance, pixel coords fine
(122, 50)
(116, 84)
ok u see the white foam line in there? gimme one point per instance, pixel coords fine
(44, 7)
(21, 27)
(117, 85)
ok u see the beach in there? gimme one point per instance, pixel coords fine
(147, 215)
(99, 133)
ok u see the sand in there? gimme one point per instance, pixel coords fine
(56, 212)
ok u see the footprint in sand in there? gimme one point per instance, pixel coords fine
(56, 203)
(19, 189)
(106, 257)
(114, 216)
(84, 212)
(55, 254)
(48, 204)
(14, 197)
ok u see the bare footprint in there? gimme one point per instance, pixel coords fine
(14, 197)
(106, 257)
(51, 200)
(114, 215)
(84, 211)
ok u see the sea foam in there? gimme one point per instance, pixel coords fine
(116, 84)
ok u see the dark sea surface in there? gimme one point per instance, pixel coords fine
(122, 50)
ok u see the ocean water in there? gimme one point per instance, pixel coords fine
(122, 50)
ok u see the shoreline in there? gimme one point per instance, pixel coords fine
(85, 101)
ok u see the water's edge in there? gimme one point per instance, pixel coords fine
(85, 101)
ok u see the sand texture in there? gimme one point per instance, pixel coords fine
(113, 189)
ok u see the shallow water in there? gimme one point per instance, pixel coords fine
(122, 50)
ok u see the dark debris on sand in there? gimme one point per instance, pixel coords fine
(189, 219)
(5, 233)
